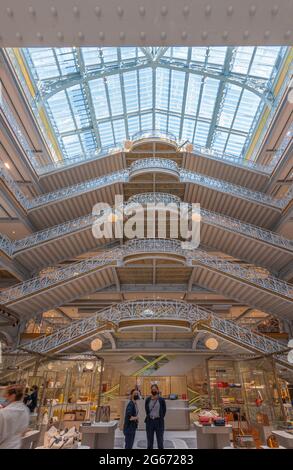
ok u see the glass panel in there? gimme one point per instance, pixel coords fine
(161, 122)
(99, 98)
(106, 134)
(201, 133)
(146, 121)
(119, 131)
(162, 88)
(193, 92)
(114, 89)
(176, 92)
(188, 129)
(130, 90)
(186, 100)
(220, 141)
(246, 112)
(61, 114)
(133, 125)
(209, 95)
(146, 89)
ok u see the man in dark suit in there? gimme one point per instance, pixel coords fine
(155, 408)
(131, 419)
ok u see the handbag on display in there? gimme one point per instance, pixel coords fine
(205, 420)
(103, 414)
(222, 384)
(219, 421)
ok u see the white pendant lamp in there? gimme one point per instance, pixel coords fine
(96, 344)
(211, 343)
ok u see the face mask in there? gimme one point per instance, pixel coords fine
(154, 392)
(135, 397)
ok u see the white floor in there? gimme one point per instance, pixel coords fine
(172, 439)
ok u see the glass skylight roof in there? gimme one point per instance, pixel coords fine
(95, 98)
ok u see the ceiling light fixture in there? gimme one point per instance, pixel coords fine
(96, 344)
(89, 365)
(211, 343)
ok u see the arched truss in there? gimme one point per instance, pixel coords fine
(211, 96)
(154, 312)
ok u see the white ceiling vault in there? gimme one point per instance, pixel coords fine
(29, 23)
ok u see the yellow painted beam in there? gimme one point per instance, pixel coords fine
(42, 114)
(147, 366)
(266, 111)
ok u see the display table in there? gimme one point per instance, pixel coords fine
(212, 437)
(176, 419)
(98, 435)
(30, 439)
(285, 439)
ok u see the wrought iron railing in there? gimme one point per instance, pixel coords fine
(69, 191)
(13, 123)
(67, 162)
(116, 255)
(11, 247)
(154, 134)
(123, 176)
(147, 134)
(152, 310)
(14, 188)
(227, 158)
(150, 163)
(229, 188)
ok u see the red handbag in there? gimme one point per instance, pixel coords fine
(204, 420)
(222, 384)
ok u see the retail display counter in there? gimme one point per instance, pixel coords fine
(99, 435)
(212, 437)
(177, 416)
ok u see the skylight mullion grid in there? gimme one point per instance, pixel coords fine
(199, 99)
(154, 97)
(109, 105)
(220, 96)
(74, 120)
(122, 88)
(92, 114)
(138, 99)
(186, 84)
(240, 98)
(169, 95)
(182, 65)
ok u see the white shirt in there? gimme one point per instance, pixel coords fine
(14, 421)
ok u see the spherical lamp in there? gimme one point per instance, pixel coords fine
(290, 343)
(89, 365)
(96, 344)
(211, 343)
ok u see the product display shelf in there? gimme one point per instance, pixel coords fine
(262, 396)
(226, 389)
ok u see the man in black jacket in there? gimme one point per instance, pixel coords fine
(131, 420)
(155, 408)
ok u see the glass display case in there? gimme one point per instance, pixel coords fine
(261, 391)
(70, 391)
(226, 391)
